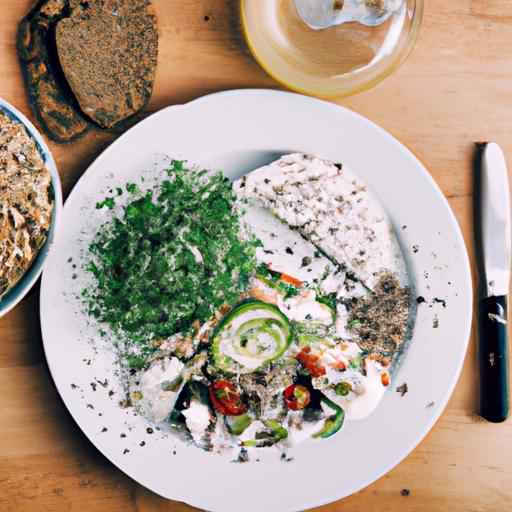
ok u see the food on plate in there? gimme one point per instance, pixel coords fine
(108, 52)
(255, 314)
(87, 64)
(26, 202)
(328, 205)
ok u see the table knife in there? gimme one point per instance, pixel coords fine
(492, 230)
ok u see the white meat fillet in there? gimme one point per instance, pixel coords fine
(331, 207)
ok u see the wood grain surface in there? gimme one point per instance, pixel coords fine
(454, 90)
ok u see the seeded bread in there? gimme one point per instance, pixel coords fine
(108, 53)
(26, 205)
(52, 102)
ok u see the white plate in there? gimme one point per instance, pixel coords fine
(237, 131)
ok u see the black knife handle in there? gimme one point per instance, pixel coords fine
(493, 352)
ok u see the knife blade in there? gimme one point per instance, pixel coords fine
(492, 234)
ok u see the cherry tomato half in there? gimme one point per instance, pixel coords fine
(226, 399)
(297, 396)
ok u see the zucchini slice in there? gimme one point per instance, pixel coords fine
(333, 423)
(249, 337)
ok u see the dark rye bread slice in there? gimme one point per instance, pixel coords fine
(108, 52)
(52, 102)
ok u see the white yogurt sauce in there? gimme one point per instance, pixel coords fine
(197, 419)
(251, 431)
(284, 249)
(368, 391)
(341, 328)
(305, 307)
(303, 430)
(156, 403)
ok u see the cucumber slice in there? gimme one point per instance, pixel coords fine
(249, 337)
(237, 424)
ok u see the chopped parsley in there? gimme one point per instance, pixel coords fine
(175, 255)
(109, 202)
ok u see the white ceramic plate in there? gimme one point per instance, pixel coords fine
(237, 131)
(8, 301)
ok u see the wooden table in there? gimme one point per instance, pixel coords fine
(455, 89)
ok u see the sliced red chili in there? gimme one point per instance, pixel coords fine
(310, 362)
(297, 396)
(290, 279)
(226, 399)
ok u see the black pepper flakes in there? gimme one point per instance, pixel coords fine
(306, 261)
(402, 389)
(289, 250)
(405, 492)
(103, 383)
(149, 430)
(104, 429)
(420, 299)
(142, 443)
(243, 456)
(439, 301)
(125, 451)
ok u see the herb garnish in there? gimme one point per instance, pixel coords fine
(175, 256)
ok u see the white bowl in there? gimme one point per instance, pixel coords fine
(22, 287)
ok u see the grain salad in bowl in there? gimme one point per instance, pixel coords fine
(255, 314)
(29, 200)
